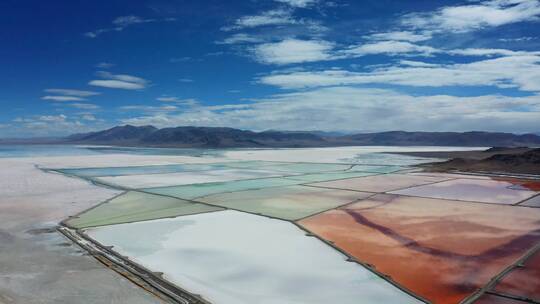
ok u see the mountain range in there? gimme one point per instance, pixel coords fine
(215, 137)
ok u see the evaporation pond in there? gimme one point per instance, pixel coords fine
(380, 183)
(136, 206)
(307, 167)
(290, 203)
(524, 281)
(439, 249)
(232, 257)
(320, 177)
(198, 190)
(139, 170)
(184, 178)
(486, 191)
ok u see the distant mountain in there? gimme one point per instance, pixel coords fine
(196, 137)
(317, 132)
(401, 138)
(508, 160)
(208, 137)
(119, 134)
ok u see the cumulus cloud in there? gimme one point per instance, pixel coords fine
(119, 81)
(293, 51)
(522, 72)
(290, 51)
(359, 109)
(484, 14)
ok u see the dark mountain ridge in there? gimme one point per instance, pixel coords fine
(473, 138)
(217, 137)
(209, 137)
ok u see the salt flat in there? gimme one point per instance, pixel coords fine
(39, 265)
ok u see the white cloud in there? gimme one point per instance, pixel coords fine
(390, 48)
(271, 17)
(185, 80)
(239, 39)
(356, 109)
(88, 117)
(125, 21)
(518, 39)
(179, 101)
(67, 95)
(98, 32)
(119, 81)
(475, 16)
(148, 109)
(52, 125)
(83, 106)
(489, 52)
(413, 63)
(522, 72)
(122, 22)
(293, 51)
(117, 84)
(105, 65)
(62, 98)
(400, 36)
(53, 118)
(298, 3)
(180, 59)
(70, 92)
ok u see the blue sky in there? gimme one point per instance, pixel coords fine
(352, 66)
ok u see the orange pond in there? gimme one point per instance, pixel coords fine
(523, 281)
(439, 249)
